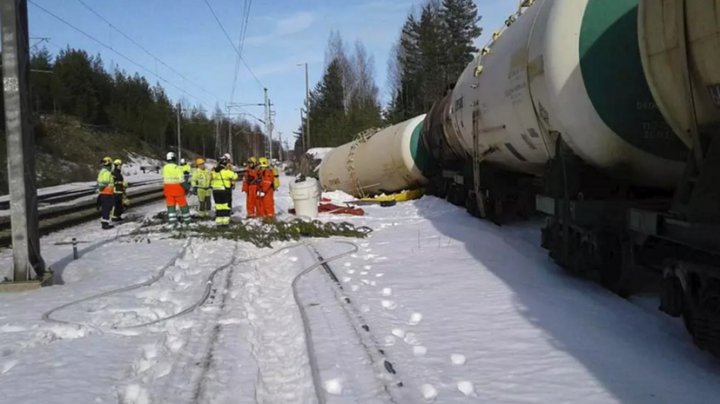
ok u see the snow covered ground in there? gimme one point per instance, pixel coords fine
(433, 306)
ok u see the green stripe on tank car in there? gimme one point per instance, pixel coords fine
(614, 78)
(420, 155)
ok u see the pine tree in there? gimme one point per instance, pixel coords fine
(41, 81)
(460, 23)
(327, 107)
(433, 50)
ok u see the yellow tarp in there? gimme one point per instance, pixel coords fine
(397, 197)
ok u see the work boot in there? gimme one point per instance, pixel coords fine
(107, 226)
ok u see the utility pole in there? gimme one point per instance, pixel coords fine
(179, 140)
(302, 131)
(230, 142)
(307, 107)
(280, 147)
(217, 136)
(20, 142)
(267, 120)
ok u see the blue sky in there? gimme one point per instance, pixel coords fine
(280, 35)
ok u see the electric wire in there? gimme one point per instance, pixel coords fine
(141, 47)
(245, 17)
(232, 44)
(122, 55)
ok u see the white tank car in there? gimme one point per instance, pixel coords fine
(666, 36)
(568, 68)
(387, 161)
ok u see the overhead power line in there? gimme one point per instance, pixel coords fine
(245, 17)
(152, 55)
(232, 44)
(161, 78)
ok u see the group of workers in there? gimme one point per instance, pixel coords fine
(259, 183)
(179, 180)
(111, 186)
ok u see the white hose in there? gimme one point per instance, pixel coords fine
(47, 316)
(208, 288)
(315, 373)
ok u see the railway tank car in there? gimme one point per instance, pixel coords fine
(604, 117)
(388, 160)
(568, 70)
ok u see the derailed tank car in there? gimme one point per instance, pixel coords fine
(604, 116)
(615, 108)
(377, 161)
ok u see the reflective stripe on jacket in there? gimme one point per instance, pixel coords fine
(172, 174)
(105, 182)
(201, 178)
(223, 179)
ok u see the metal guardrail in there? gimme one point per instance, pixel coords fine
(54, 217)
(69, 195)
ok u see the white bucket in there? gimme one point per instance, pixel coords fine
(306, 197)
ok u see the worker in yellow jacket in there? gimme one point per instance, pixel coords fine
(105, 188)
(222, 180)
(186, 170)
(201, 187)
(175, 188)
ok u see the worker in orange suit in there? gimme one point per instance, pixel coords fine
(267, 189)
(250, 187)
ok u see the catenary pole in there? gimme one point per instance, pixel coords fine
(230, 142)
(20, 141)
(267, 114)
(307, 107)
(217, 136)
(179, 139)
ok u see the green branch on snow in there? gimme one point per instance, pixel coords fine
(264, 234)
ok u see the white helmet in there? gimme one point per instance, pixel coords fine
(182, 161)
(227, 157)
(170, 156)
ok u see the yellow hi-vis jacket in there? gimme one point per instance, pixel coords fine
(187, 172)
(223, 179)
(105, 182)
(201, 178)
(172, 174)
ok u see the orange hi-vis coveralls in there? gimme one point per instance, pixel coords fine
(266, 203)
(174, 190)
(250, 187)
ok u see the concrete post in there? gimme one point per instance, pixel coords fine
(20, 141)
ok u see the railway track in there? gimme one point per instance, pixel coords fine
(55, 197)
(78, 206)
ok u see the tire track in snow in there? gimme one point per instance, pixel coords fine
(208, 360)
(389, 382)
(276, 334)
(185, 343)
